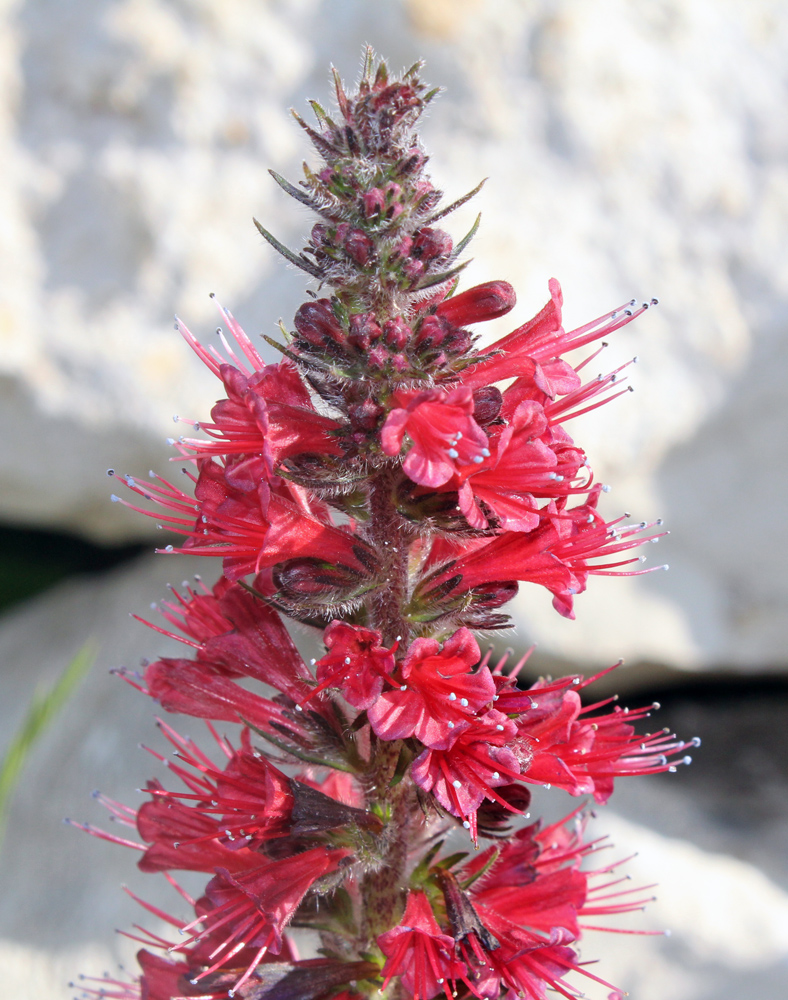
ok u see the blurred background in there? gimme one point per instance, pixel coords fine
(633, 148)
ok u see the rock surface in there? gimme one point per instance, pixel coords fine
(715, 835)
(632, 148)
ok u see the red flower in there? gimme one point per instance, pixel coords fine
(419, 952)
(467, 771)
(237, 635)
(438, 691)
(529, 460)
(533, 349)
(556, 555)
(584, 756)
(249, 530)
(194, 688)
(444, 435)
(252, 908)
(267, 417)
(356, 662)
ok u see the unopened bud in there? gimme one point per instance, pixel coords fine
(317, 324)
(478, 304)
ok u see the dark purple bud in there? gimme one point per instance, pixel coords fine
(318, 235)
(317, 324)
(307, 578)
(487, 403)
(493, 595)
(396, 333)
(412, 162)
(365, 416)
(307, 980)
(430, 243)
(495, 820)
(480, 303)
(313, 811)
(463, 918)
(359, 247)
(363, 330)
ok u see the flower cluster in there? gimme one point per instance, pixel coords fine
(379, 484)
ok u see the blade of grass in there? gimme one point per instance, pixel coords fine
(44, 707)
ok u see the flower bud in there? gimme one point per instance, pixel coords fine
(359, 247)
(306, 579)
(365, 415)
(432, 332)
(487, 403)
(374, 202)
(430, 243)
(478, 304)
(317, 324)
(363, 330)
(396, 333)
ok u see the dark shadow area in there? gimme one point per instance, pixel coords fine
(32, 560)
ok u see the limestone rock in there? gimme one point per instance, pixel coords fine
(626, 156)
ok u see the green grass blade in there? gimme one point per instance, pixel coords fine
(44, 707)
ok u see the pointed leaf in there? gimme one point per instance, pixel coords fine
(456, 204)
(298, 259)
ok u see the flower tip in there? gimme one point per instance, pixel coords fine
(114, 498)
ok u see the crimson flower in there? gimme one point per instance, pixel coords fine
(419, 952)
(356, 662)
(437, 692)
(444, 435)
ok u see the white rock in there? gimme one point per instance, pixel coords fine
(625, 156)
(728, 922)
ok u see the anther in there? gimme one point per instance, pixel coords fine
(477, 459)
(464, 702)
(403, 687)
(457, 783)
(453, 453)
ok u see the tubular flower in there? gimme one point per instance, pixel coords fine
(387, 484)
(438, 691)
(419, 952)
(444, 436)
